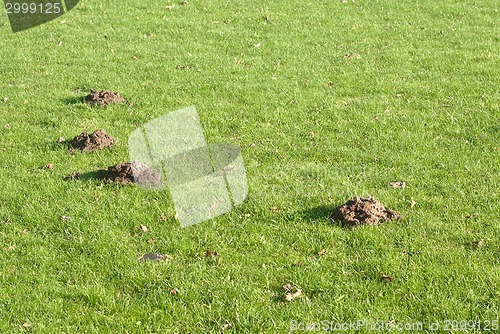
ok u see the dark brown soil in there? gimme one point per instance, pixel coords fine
(363, 211)
(103, 98)
(97, 140)
(126, 173)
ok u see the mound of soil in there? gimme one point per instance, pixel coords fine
(126, 173)
(97, 140)
(103, 98)
(363, 211)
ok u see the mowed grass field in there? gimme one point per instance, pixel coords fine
(326, 100)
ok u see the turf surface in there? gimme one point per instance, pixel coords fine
(326, 100)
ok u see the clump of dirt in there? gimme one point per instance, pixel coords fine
(97, 140)
(103, 98)
(126, 173)
(363, 211)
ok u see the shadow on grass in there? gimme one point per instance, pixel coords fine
(96, 175)
(54, 145)
(320, 212)
(74, 100)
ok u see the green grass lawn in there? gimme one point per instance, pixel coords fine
(326, 100)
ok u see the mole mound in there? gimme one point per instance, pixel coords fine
(126, 173)
(363, 211)
(103, 98)
(97, 140)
